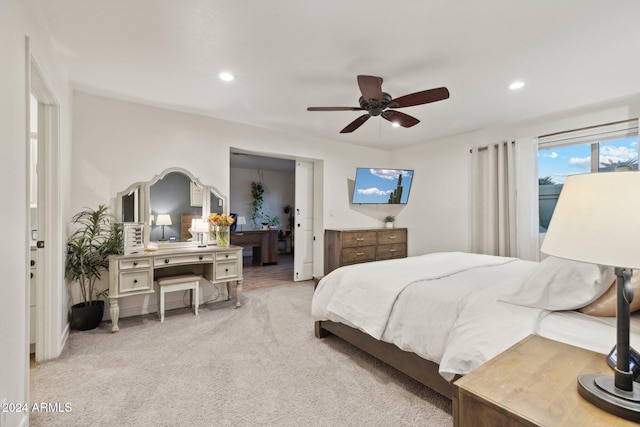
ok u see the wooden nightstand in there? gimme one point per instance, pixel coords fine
(533, 383)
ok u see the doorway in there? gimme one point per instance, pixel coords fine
(42, 147)
(288, 193)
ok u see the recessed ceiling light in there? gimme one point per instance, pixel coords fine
(516, 85)
(227, 77)
(395, 124)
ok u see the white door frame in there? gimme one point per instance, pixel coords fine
(49, 337)
(303, 223)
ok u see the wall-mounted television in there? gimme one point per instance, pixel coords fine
(382, 186)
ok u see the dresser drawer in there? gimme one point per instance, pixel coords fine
(352, 246)
(131, 281)
(394, 250)
(223, 256)
(358, 238)
(128, 264)
(359, 254)
(168, 260)
(226, 270)
(392, 236)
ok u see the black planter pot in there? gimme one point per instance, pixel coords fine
(84, 318)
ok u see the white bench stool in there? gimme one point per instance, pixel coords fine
(178, 283)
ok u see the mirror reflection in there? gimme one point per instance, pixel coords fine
(217, 204)
(131, 205)
(167, 204)
(173, 201)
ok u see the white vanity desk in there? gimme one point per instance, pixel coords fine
(134, 274)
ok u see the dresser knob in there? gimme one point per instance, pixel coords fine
(200, 257)
(166, 261)
(135, 280)
(135, 263)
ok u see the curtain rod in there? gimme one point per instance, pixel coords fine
(587, 128)
(487, 147)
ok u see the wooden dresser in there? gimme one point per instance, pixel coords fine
(353, 246)
(533, 383)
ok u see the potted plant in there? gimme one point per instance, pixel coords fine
(388, 221)
(257, 198)
(88, 249)
(273, 221)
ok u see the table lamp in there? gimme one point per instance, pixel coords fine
(202, 227)
(597, 220)
(241, 221)
(163, 219)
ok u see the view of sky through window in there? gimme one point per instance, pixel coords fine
(559, 162)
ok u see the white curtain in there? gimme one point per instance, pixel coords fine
(504, 205)
(527, 216)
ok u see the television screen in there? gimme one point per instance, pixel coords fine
(382, 186)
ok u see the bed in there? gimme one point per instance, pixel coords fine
(438, 316)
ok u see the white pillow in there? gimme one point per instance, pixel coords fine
(561, 284)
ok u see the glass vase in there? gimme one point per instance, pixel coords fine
(223, 236)
(212, 234)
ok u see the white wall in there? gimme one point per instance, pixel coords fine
(18, 19)
(437, 212)
(117, 143)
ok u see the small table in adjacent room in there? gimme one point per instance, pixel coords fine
(533, 383)
(263, 242)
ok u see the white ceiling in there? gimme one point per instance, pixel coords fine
(291, 54)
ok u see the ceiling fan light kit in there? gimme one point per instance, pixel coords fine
(378, 103)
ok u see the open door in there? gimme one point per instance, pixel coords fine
(303, 222)
(46, 301)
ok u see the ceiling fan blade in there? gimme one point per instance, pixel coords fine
(370, 87)
(419, 98)
(334, 109)
(404, 120)
(355, 124)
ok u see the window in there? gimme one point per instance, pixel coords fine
(598, 149)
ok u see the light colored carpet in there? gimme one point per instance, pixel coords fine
(257, 365)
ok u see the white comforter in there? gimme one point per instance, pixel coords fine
(441, 306)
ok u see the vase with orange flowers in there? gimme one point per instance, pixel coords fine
(219, 224)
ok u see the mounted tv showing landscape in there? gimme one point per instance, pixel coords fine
(382, 186)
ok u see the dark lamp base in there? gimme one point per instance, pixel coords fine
(600, 391)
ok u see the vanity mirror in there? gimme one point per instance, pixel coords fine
(166, 205)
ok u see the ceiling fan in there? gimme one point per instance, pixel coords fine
(376, 103)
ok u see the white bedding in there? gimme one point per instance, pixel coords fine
(452, 316)
(369, 307)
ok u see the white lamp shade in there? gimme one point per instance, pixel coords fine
(163, 219)
(201, 226)
(597, 220)
(241, 220)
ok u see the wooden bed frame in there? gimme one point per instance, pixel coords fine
(422, 370)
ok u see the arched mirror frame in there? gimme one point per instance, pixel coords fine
(141, 194)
